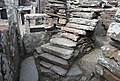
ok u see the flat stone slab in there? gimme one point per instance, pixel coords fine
(63, 42)
(73, 30)
(38, 50)
(86, 15)
(53, 60)
(59, 70)
(45, 70)
(82, 27)
(57, 51)
(54, 68)
(88, 22)
(111, 65)
(70, 36)
(115, 44)
(28, 71)
(79, 9)
(102, 71)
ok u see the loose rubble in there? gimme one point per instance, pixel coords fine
(109, 64)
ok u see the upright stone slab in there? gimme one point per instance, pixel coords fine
(33, 40)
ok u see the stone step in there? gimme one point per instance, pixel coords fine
(57, 51)
(83, 21)
(82, 27)
(83, 10)
(86, 15)
(72, 30)
(54, 68)
(70, 36)
(53, 60)
(63, 42)
(44, 70)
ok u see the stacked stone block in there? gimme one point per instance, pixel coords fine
(56, 9)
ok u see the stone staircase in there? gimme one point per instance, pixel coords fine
(58, 58)
(72, 42)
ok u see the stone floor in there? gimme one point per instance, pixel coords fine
(28, 71)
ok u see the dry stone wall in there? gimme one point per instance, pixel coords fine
(10, 58)
(109, 65)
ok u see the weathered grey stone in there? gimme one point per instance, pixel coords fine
(102, 71)
(62, 21)
(45, 70)
(63, 42)
(57, 5)
(111, 52)
(11, 51)
(59, 70)
(28, 70)
(85, 48)
(85, 15)
(82, 21)
(53, 68)
(118, 13)
(1, 77)
(60, 52)
(70, 36)
(75, 70)
(89, 61)
(34, 16)
(46, 64)
(115, 44)
(54, 60)
(111, 65)
(83, 78)
(38, 50)
(95, 79)
(54, 1)
(78, 26)
(114, 31)
(33, 40)
(75, 31)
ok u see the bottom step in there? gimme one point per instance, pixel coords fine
(54, 68)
